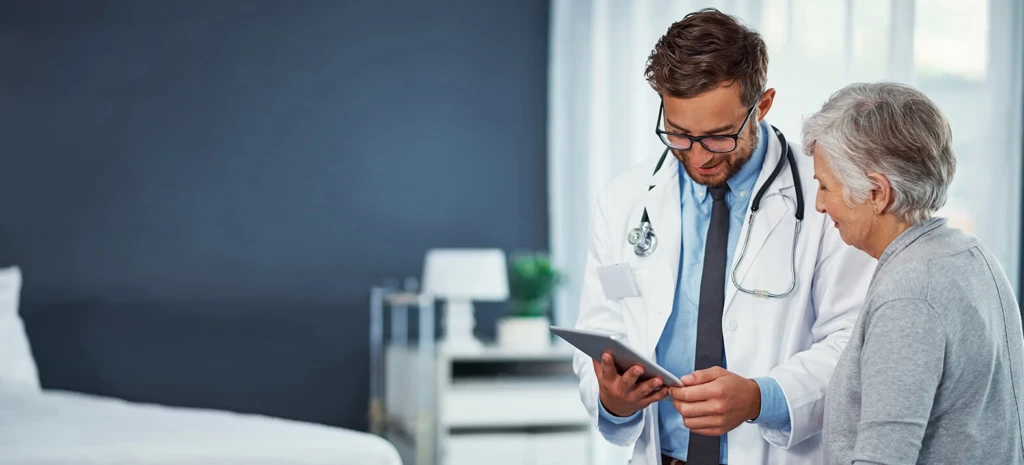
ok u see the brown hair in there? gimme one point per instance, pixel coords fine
(706, 49)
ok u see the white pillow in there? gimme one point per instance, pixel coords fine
(16, 362)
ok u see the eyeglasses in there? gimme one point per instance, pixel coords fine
(714, 144)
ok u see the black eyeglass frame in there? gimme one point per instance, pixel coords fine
(662, 135)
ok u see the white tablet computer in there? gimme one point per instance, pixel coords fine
(596, 344)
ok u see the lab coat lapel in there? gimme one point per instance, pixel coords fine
(663, 207)
(767, 219)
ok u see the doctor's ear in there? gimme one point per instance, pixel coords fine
(765, 104)
(881, 194)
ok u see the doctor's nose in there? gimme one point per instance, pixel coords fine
(699, 156)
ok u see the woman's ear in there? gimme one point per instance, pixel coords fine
(881, 195)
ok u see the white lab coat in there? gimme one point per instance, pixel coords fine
(796, 339)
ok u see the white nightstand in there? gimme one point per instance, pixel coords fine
(508, 407)
(494, 405)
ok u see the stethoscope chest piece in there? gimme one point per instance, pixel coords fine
(643, 239)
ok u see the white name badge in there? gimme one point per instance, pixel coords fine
(617, 281)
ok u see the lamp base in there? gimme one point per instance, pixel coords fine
(459, 323)
(462, 346)
(524, 333)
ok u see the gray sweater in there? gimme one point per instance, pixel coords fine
(934, 370)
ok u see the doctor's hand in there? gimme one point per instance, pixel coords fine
(621, 395)
(716, 401)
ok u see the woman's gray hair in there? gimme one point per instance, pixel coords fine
(888, 128)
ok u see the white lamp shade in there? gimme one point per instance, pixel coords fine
(466, 274)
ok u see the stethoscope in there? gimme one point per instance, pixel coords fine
(644, 241)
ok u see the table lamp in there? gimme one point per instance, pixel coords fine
(459, 277)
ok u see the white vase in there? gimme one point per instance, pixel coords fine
(524, 333)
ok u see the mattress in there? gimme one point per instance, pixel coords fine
(66, 428)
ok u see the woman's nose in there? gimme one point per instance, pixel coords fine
(819, 203)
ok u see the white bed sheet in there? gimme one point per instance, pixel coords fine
(65, 428)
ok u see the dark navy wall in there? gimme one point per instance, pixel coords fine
(200, 193)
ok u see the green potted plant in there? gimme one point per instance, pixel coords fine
(532, 281)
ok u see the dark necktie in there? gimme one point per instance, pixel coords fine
(706, 450)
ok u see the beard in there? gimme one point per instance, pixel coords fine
(733, 161)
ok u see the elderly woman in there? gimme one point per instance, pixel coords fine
(934, 370)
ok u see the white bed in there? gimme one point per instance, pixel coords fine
(64, 428)
(42, 427)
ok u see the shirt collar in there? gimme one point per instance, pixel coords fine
(741, 182)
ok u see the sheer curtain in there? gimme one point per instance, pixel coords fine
(966, 55)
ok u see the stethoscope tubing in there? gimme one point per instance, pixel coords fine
(645, 241)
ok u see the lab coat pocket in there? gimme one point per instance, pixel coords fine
(658, 289)
(646, 314)
(641, 279)
(617, 281)
(635, 313)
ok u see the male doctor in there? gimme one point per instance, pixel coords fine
(756, 367)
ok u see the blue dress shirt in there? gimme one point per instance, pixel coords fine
(677, 347)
